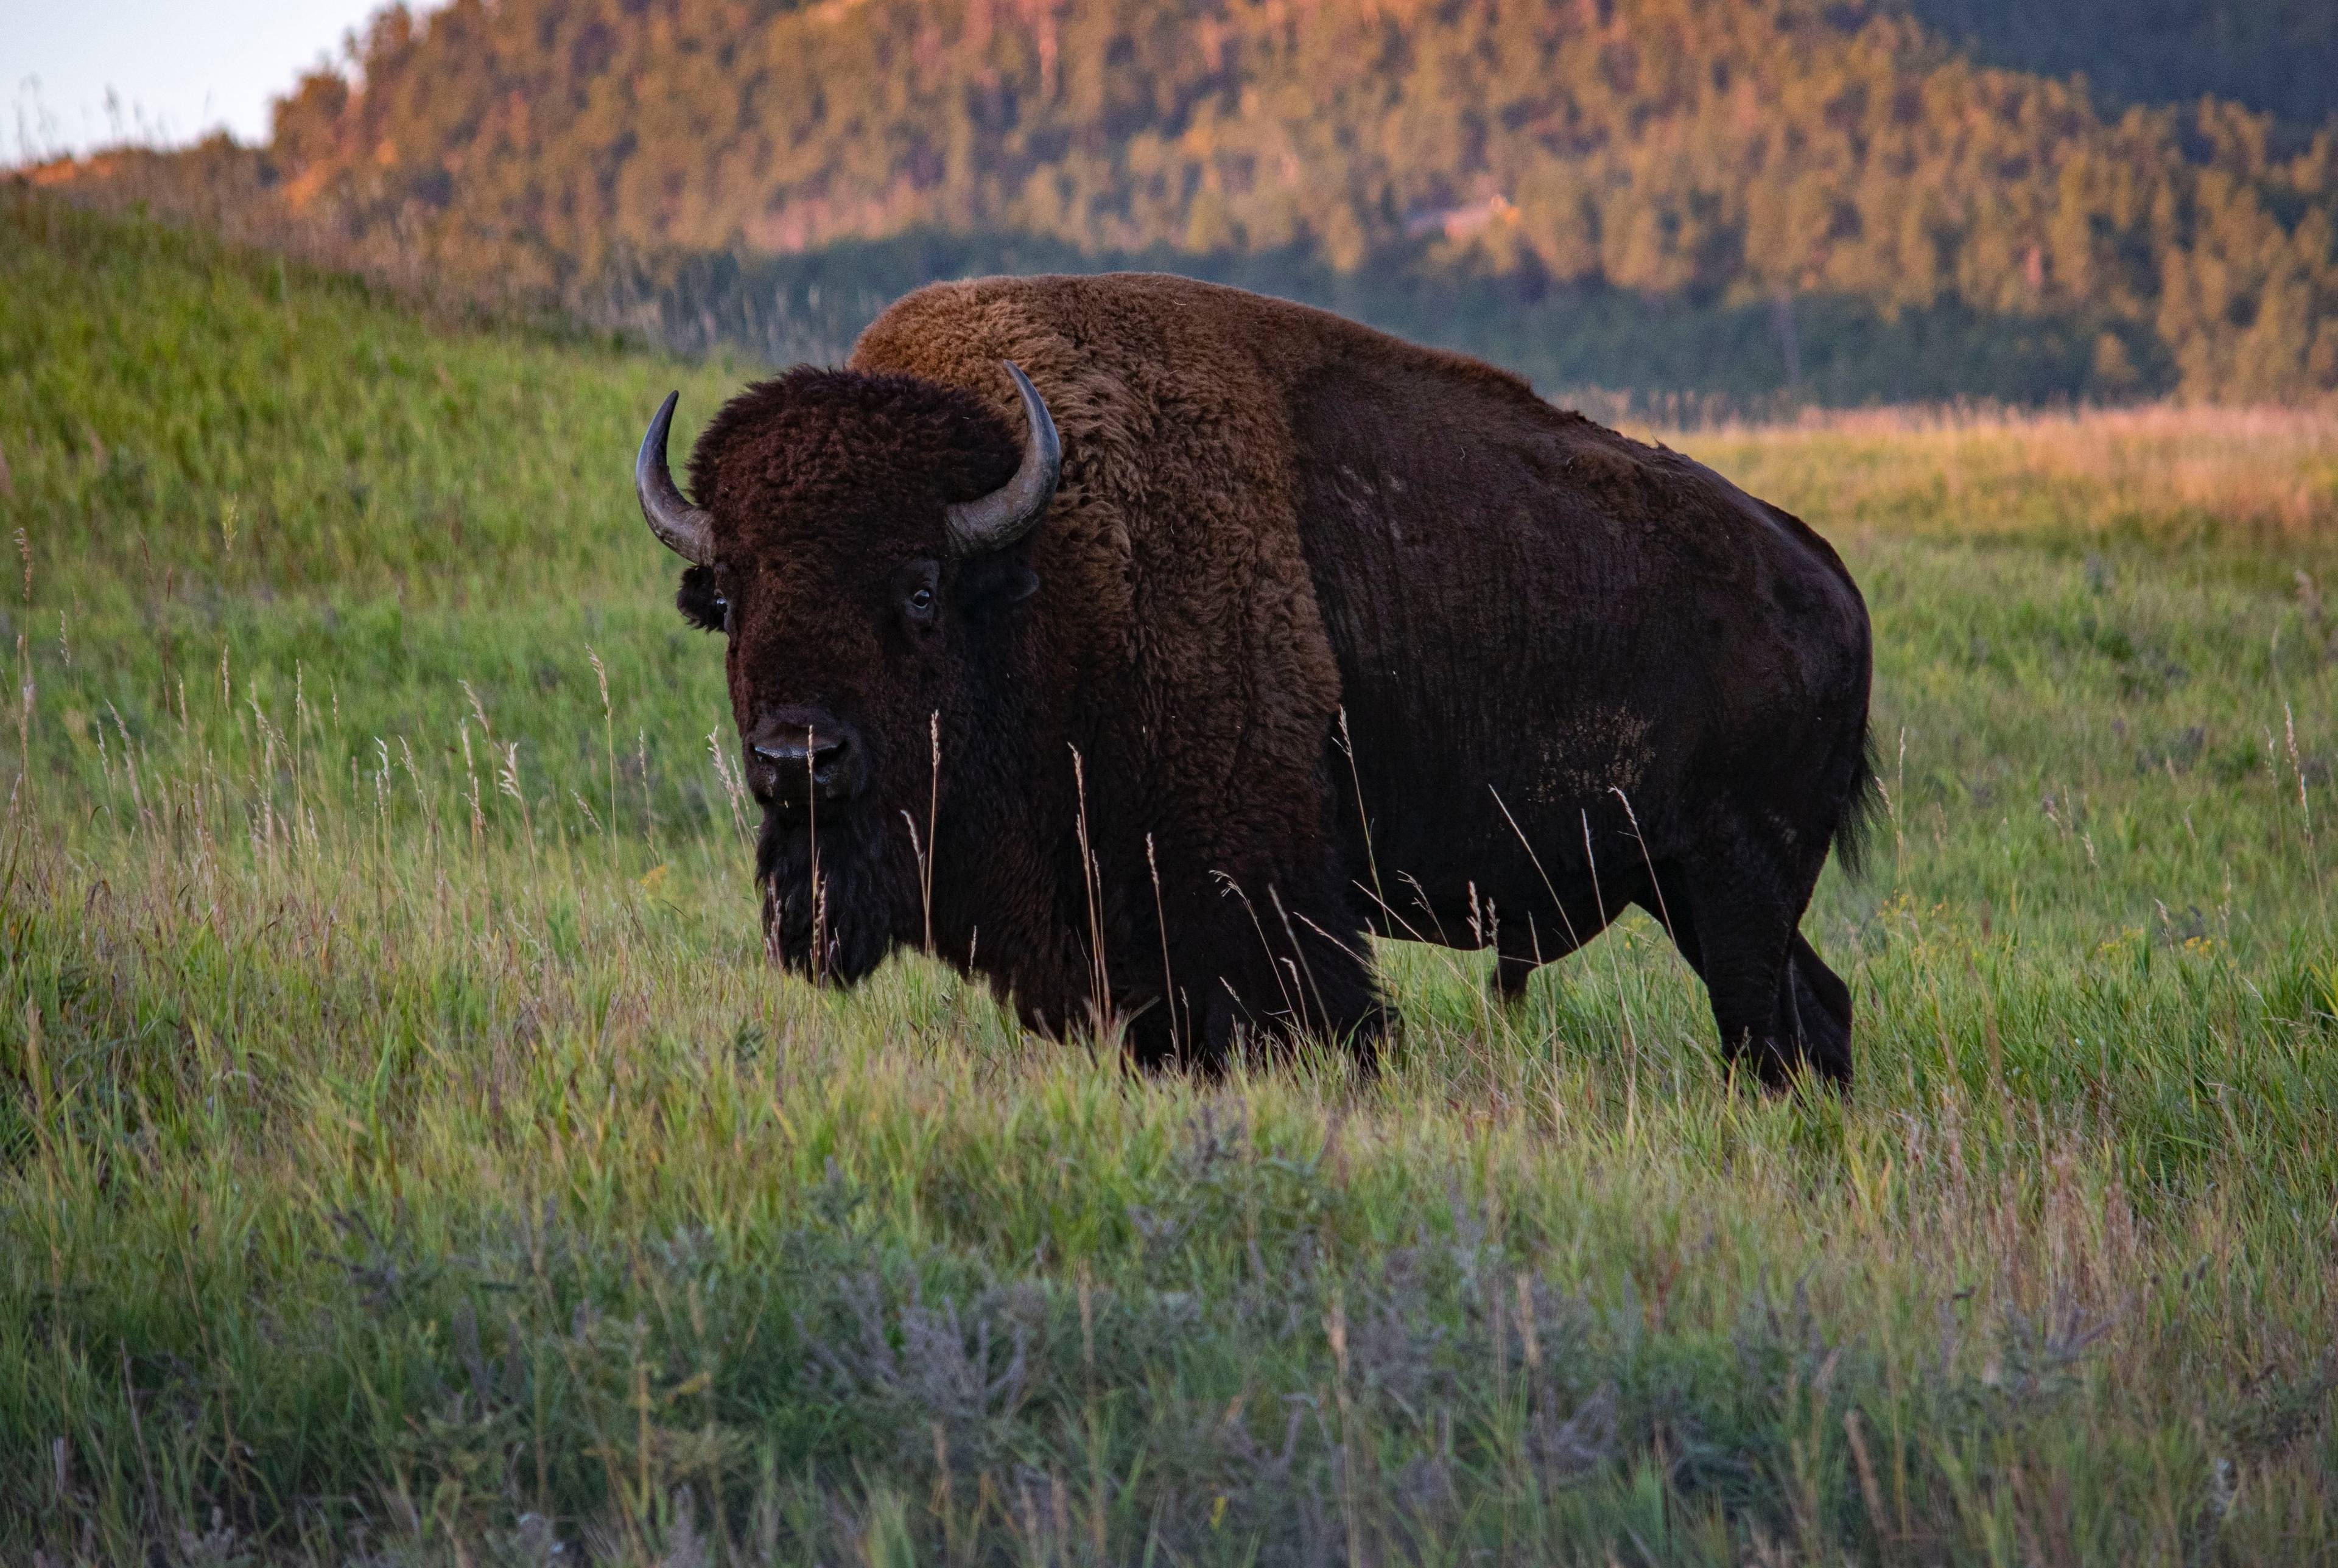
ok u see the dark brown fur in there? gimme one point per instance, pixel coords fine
(1578, 672)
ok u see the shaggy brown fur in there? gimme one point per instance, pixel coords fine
(1578, 672)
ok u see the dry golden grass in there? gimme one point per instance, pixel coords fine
(2164, 473)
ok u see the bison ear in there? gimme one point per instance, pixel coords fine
(698, 600)
(988, 582)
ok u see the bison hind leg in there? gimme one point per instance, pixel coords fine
(1780, 1010)
(1823, 1009)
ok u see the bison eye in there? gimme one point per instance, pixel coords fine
(701, 604)
(918, 583)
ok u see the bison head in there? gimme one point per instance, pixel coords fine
(858, 540)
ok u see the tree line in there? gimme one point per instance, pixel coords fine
(2280, 56)
(1588, 189)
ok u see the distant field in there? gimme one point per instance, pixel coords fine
(404, 1154)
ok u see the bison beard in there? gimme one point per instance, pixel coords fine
(841, 928)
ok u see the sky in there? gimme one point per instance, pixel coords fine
(177, 69)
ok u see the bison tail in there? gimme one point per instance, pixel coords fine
(1861, 807)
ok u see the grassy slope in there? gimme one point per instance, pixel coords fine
(393, 1160)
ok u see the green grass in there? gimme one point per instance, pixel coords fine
(404, 1154)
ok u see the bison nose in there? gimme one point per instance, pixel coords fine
(799, 753)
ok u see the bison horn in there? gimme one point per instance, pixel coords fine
(686, 530)
(1015, 508)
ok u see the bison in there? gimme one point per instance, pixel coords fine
(1141, 644)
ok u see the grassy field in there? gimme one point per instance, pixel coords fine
(405, 1155)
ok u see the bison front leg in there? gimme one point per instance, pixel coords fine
(1546, 937)
(1267, 958)
(1514, 966)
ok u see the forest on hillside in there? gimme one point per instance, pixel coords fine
(2280, 56)
(1726, 194)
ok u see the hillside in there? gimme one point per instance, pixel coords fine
(183, 414)
(1710, 156)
